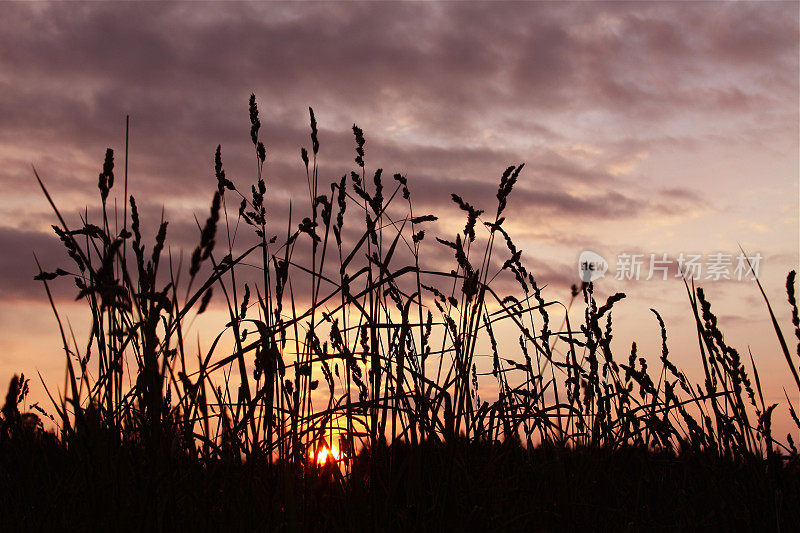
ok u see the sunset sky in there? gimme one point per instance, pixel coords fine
(645, 128)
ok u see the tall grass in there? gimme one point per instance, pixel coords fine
(349, 338)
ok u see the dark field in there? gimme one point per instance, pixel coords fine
(456, 486)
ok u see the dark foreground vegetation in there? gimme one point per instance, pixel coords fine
(457, 486)
(343, 390)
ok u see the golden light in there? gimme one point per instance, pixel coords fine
(326, 454)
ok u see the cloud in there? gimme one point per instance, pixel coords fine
(448, 94)
(17, 263)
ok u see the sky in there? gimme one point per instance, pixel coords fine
(645, 128)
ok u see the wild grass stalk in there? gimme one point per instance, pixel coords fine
(371, 345)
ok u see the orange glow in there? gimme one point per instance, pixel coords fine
(326, 454)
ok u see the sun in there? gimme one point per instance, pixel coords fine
(325, 454)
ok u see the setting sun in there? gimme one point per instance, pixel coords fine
(325, 454)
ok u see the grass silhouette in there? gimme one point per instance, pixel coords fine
(347, 337)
